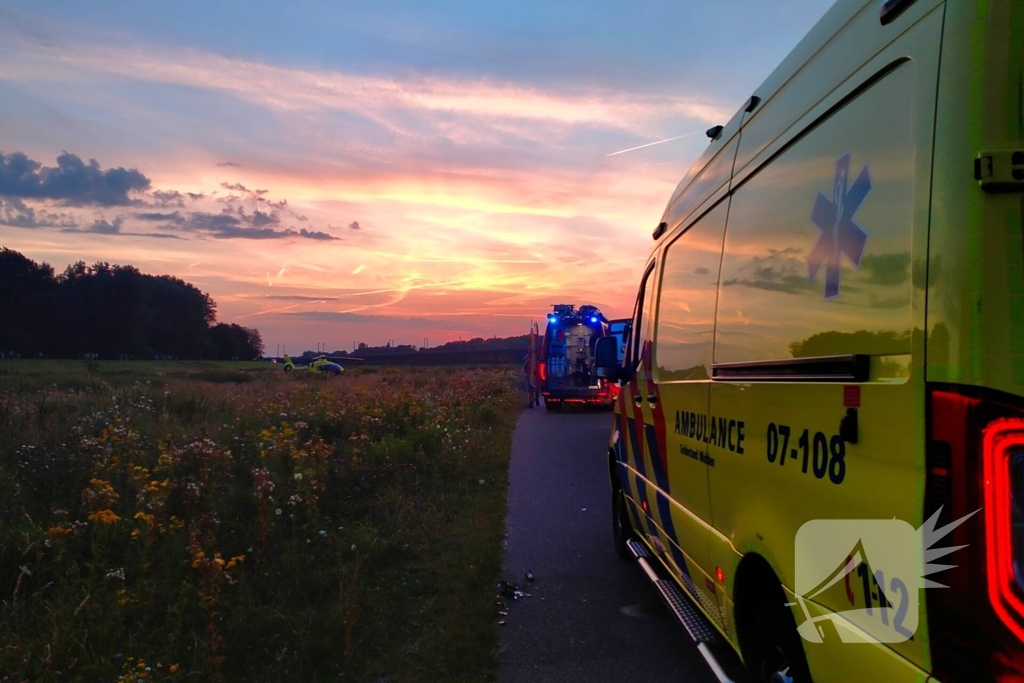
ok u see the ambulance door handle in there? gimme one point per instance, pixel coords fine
(652, 399)
(638, 399)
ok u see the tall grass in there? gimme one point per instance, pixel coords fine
(187, 524)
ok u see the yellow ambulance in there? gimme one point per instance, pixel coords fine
(831, 327)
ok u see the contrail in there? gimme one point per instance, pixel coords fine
(649, 144)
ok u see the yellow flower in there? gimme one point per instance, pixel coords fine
(174, 668)
(105, 516)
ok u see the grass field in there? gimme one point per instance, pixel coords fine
(166, 521)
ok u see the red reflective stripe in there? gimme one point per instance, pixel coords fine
(657, 411)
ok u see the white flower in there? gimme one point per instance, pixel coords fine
(298, 476)
(277, 512)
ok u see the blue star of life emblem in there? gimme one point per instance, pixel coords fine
(840, 235)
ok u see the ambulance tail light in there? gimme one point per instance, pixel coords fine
(542, 370)
(1003, 449)
(975, 460)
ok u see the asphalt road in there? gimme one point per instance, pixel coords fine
(592, 617)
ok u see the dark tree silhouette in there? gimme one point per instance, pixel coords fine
(234, 342)
(114, 311)
(27, 293)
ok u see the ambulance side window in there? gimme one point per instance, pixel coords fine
(641, 314)
(686, 304)
(817, 259)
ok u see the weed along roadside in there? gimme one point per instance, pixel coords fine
(181, 522)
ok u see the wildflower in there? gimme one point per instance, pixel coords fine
(277, 512)
(323, 533)
(104, 516)
(298, 476)
(173, 668)
(116, 574)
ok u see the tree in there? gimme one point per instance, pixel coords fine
(26, 303)
(112, 310)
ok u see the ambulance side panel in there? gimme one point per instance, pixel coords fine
(796, 287)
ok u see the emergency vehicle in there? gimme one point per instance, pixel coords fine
(566, 368)
(831, 327)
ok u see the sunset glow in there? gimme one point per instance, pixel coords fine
(341, 174)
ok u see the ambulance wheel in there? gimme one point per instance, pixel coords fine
(777, 654)
(552, 406)
(622, 528)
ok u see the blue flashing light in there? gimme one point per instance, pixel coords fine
(553, 319)
(593, 318)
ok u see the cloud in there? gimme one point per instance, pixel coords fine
(464, 106)
(169, 198)
(239, 187)
(262, 218)
(17, 214)
(232, 223)
(354, 225)
(71, 181)
(345, 317)
(229, 163)
(299, 297)
(105, 227)
(168, 217)
(316, 235)
(780, 271)
(887, 269)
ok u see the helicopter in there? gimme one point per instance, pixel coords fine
(319, 365)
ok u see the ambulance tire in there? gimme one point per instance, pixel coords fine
(622, 528)
(777, 654)
(552, 406)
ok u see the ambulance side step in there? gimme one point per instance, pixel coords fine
(696, 625)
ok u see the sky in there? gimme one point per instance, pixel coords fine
(337, 172)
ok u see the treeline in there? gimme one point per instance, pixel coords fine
(474, 344)
(111, 311)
